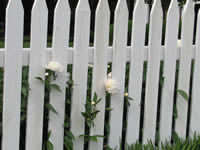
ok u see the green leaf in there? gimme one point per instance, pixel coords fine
(23, 117)
(95, 97)
(68, 143)
(129, 98)
(100, 136)
(70, 82)
(83, 114)
(56, 87)
(51, 108)
(49, 134)
(66, 125)
(24, 91)
(40, 79)
(162, 81)
(49, 145)
(93, 138)
(98, 100)
(175, 112)
(109, 109)
(69, 134)
(68, 101)
(183, 94)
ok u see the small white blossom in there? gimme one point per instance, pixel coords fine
(109, 75)
(111, 86)
(90, 65)
(179, 43)
(126, 94)
(93, 103)
(54, 66)
(46, 74)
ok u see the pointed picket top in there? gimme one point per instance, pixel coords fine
(103, 6)
(139, 2)
(39, 22)
(59, 54)
(39, 13)
(174, 3)
(62, 10)
(156, 5)
(188, 6)
(62, 4)
(152, 81)
(173, 7)
(185, 67)
(81, 45)
(169, 70)
(16, 4)
(121, 6)
(188, 9)
(194, 118)
(39, 3)
(136, 71)
(118, 72)
(101, 42)
(12, 75)
(83, 6)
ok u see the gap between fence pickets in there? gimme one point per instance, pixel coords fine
(91, 53)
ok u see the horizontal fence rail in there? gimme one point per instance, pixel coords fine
(26, 53)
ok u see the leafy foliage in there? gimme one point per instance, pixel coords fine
(91, 111)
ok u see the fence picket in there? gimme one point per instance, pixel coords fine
(185, 67)
(118, 73)
(100, 69)
(57, 99)
(153, 69)
(195, 120)
(169, 71)
(80, 69)
(12, 75)
(136, 71)
(35, 106)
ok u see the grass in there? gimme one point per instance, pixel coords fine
(177, 144)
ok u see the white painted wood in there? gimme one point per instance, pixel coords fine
(48, 51)
(195, 119)
(118, 73)
(136, 71)
(185, 67)
(80, 69)
(57, 99)
(101, 40)
(153, 70)
(12, 75)
(169, 71)
(36, 69)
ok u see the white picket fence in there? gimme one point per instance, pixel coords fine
(14, 56)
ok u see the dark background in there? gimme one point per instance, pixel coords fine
(27, 4)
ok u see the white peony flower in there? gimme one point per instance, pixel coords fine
(126, 94)
(54, 66)
(179, 43)
(111, 86)
(93, 103)
(90, 65)
(46, 74)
